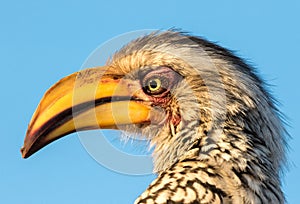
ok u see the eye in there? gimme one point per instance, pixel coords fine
(158, 81)
(156, 85)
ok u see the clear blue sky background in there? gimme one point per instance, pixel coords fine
(43, 41)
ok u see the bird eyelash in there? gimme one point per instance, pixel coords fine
(166, 75)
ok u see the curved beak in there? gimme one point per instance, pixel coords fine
(89, 99)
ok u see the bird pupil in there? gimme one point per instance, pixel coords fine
(153, 84)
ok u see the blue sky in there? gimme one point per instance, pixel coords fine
(43, 41)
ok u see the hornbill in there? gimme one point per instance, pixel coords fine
(216, 132)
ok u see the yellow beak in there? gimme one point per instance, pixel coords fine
(90, 99)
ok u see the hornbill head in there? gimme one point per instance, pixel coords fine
(189, 97)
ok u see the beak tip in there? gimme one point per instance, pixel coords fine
(24, 152)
